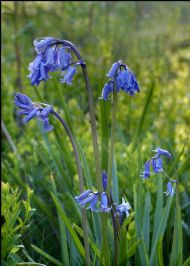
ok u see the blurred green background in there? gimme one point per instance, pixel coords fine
(153, 39)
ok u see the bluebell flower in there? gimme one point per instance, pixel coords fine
(88, 196)
(157, 165)
(31, 110)
(123, 208)
(51, 56)
(162, 152)
(69, 75)
(64, 58)
(104, 180)
(125, 80)
(104, 203)
(42, 43)
(113, 71)
(146, 172)
(93, 202)
(170, 191)
(108, 88)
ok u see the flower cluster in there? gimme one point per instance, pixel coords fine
(31, 110)
(52, 55)
(125, 80)
(157, 167)
(90, 198)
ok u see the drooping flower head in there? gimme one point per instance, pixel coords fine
(31, 110)
(125, 80)
(52, 55)
(157, 167)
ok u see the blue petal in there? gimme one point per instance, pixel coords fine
(83, 195)
(46, 126)
(69, 75)
(30, 115)
(93, 202)
(113, 71)
(23, 101)
(104, 179)
(170, 191)
(41, 45)
(108, 88)
(146, 172)
(160, 152)
(157, 165)
(43, 72)
(64, 58)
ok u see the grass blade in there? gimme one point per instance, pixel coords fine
(92, 244)
(47, 256)
(161, 229)
(146, 221)
(68, 225)
(138, 222)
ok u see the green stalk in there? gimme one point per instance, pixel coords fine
(177, 248)
(112, 140)
(104, 246)
(81, 184)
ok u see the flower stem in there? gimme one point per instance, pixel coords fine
(104, 255)
(81, 184)
(91, 109)
(112, 140)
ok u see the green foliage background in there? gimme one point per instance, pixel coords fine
(152, 38)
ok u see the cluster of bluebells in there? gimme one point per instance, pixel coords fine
(125, 81)
(90, 198)
(31, 110)
(51, 56)
(156, 162)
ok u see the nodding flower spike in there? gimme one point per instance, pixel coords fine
(125, 81)
(51, 56)
(31, 110)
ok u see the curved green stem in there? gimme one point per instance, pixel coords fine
(112, 140)
(81, 184)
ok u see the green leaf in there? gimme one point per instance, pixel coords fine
(161, 229)
(138, 222)
(30, 264)
(92, 244)
(187, 262)
(159, 252)
(159, 208)
(64, 247)
(68, 225)
(46, 255)
(133, 248)
(177, 245)
(146, 221)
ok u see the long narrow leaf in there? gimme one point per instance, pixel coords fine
(68, 225)
(92, 244)
(161, 229)
(46, 255)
